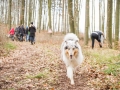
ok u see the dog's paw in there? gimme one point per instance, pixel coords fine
(72, 83)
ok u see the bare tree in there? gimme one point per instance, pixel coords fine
(100, 2)
(117, 25)
(49, 11)
(86, 22)
(22, 12)
(76, 16)
(103, 15)
(109, 23)
(30, 11)
(9, 14)
(40, 14)
(71, 18)
(63, 16)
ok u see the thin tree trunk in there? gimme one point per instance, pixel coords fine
(100, 15)
(71, 18)
(63, 16)
(59, 17)
(40, 15)
(49, 11)
(86, 22)
(117, 25)
(109, 23)
(54, 17)
(9, 14)
(76, 16)
(93, 15)
(103, 15)
(30, 11)
(22, 12)
(18, 22)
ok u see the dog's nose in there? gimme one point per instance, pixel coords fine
(71, 56)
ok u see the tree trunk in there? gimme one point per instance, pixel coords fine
(54, 17)
(22, 12)
(9, 14)
(103, 15)
(109, 23)
(76, 16)
(117, 25)
(63, 16)
(30, 11)
(100, 15)
(71, 18)
(49, 11)
(40, 15)
(86, 22)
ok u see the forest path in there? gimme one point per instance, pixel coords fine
(39, 67)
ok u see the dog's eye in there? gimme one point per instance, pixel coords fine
(73, 48)
(66, 47)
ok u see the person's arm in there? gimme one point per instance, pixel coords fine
(35, 29)
(9, 31)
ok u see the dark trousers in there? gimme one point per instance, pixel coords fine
(93, 37)
(12, 37)
(21, 37)
(32, 39)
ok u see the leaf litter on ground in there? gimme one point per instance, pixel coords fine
(39, 67)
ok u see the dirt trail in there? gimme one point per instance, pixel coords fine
(30, 60)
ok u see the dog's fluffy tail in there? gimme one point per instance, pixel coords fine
(70, 74)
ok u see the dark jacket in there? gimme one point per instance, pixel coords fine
(22, 30)
(26, 30)
(32, 30)
(96, 35)
(17, 31)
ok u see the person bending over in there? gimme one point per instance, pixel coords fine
(98, 36)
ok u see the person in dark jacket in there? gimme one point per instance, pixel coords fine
(22, 32)
(27, 34)
(17, 35)
(32, 31)
(97, 35)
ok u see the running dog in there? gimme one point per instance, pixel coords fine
(71, 54)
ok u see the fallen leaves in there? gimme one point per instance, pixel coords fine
(39, 67)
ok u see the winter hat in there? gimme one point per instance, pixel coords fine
(31, 22)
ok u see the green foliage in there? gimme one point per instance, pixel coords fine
(115, 67)
(42, 74)
(11, 89)
(112, 69)
(104, 68)
(39, 76)
(108, 60)
(9, 46)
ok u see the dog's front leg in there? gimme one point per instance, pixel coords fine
(70, 74)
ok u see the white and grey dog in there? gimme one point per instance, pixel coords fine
(71, 54)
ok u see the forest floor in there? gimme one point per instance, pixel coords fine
(39, 67)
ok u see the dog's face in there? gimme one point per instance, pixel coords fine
(71, 49)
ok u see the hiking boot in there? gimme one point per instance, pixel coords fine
(100, 46)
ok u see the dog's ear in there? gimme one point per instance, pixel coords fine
(76, 44)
